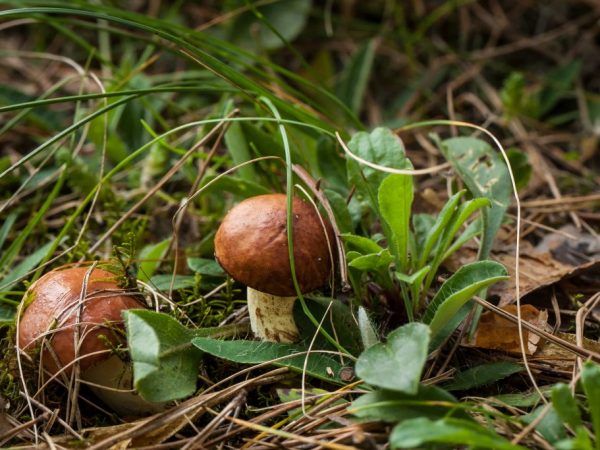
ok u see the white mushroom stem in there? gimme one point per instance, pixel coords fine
(272, 317)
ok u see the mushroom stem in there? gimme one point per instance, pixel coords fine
(272, 317)
(112, 381)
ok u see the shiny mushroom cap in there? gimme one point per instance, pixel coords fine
(251, 245)
(53, 312)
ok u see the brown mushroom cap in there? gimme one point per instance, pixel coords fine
(54, 299)
(251, 245)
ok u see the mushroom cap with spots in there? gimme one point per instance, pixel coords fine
(252, 246)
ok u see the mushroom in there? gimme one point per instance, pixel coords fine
(252, 246)
(78, 322)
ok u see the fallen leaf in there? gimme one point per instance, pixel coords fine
(496, 333)
(537, 270)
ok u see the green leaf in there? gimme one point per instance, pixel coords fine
(472, 230)
(319, 365)
(565, 405)
(150, 257)
(439, 226)
(332, 165)
(414, 278)
(339, 322)
(520, 400)
(485, 174)
(455, 432)
(422, 225)
(367, 331)
(165, 364)
(396, 364)
(581, 441)
(459, 289)
(382, 147)
(205, 266)
(522, 170)
(6, 226)
(163, 282)
(291, 394)
(264, 26)
(395, 199)
(482, 375)
(7, 314)
(389, 406)
(361, 244)
(340, 210)
(559, 83)
(355, 76)
(550, 427)
(24, 267)
(590, 380)
(239, 151)
(373, 261)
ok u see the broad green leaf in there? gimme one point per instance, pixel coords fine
(382, 147)
(590, 380)
(205, 266)
(522, 170)
(414, 278)
(24, 267)
(319, 365)
(373, 261)
(439, 226)
(565, 405)
(367, 331)
(355, 76)
(396, 364)
(395, 199)
(150, 257)
(165, 364)
(440, 337)
(267, 26)
(422, 224)
(453, 432)
(7, 314)
(340, 210)
(551, 426)
(163, 282)
(520, 400)
(485, 174)
(339, 322)
(292, 394)
(332, 166)
(581, 441)
(559, 83)
(389, 406)
(459, 289)
(482, 375)
(240, 153)
(361, 244)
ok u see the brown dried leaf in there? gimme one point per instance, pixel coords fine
(497, 333)
(537, 270)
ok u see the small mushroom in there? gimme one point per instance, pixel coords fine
(79, 330)
(252, 246)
